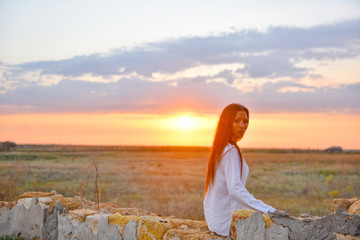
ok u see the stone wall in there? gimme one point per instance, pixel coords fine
(38, 215)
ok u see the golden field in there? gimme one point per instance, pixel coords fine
(170, 180)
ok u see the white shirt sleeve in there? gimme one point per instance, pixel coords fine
(236, 188)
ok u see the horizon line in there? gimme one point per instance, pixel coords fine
(177, 146)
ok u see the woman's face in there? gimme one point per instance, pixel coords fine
(239, 126)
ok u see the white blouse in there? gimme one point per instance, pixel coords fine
(229, 193)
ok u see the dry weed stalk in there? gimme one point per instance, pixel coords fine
(95, 164)
(82, 193)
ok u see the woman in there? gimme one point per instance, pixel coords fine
(227, 172)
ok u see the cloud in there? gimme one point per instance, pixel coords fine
(281, 69)
(343, 99)
(295, 89)
(175, 55)
(198, 71)
(133, 95)
(130, 95)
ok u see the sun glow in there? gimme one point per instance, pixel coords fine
(185, 122)
(189, 122)
(310, 130)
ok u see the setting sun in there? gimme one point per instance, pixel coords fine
(188, 122)
(185, 122)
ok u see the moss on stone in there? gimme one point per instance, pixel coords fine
(10, 205)
(70, 203)
(81, 214)
(191, 224)
(341, 204)
(120, 221)
(133, 211)
(245, 213)
(355, 208)
(152, 228)
(190, 234)
(34, 195)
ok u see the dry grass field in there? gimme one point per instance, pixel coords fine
(170, 180)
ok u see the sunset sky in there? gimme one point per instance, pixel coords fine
(160, 72)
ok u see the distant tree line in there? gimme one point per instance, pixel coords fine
(334, 149)
(7, 146)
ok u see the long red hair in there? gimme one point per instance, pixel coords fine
(221, 139)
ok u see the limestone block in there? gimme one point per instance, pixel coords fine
(72, 228)
(65, 228)
(81, 214)
(50, 223)
(129, 232)
(100, 227)
(151, 227)
(107, 232)
(190, 234)
(276, 232)
(82, 231)
(86, 224)
(92, 222)
(355, 208)
(6, 222)
(26, 218)
(30, 218)
(250, 228)
(244, 214)
(121, 221)
(319, 228)
(341, 204)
